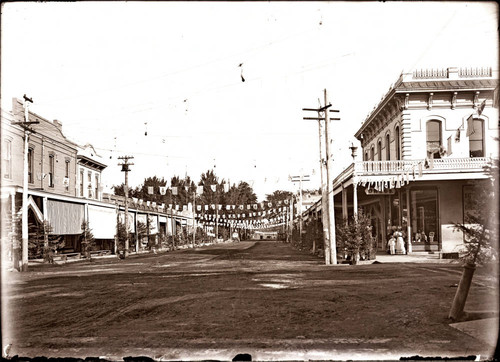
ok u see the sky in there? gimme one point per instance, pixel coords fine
(162, 81)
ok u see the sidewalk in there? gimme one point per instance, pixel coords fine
(412, 258)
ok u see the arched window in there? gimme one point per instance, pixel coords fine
(366, 155)
(388, 146)
(433, 139)
(397, 143)
(51, 170)
(476, 139)
(372, 154)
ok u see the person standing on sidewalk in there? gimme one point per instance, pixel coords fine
(392, 245)
(400, 243)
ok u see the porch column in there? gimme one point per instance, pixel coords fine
(344, 203)
(355, 197)
(45, 212)
(408, 215)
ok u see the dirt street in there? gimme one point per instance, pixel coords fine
(263, 298)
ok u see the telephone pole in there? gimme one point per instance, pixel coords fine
(328, 210)
(125, 168)
(24, 209)
(301, 178)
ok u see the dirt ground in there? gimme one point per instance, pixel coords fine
(263, 298)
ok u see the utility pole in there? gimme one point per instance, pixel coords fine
(24, 209)
(194, 218)
(328, 210)
(125, 168)
(301, 178)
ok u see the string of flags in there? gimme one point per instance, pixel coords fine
(398, 180)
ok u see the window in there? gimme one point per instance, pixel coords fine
(7, 158)
(366, 155)
(433, 139)
(30, 165)
(81, 182)
(96, 186)
(388, 147)
(89, 183)
(51, 170)
(66, 176)
(397, 143)
(379, 150)
(476, 137)
(372, 154)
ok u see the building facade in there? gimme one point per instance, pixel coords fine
(64, 189)
(422, 147)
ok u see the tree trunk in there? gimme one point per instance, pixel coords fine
(457, 307)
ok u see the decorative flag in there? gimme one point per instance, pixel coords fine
(198, 207)
(249, 207)
(220, 207)
(241, 207)
(213, 187)
(212, 206)
(206, 207)
(226, 187)
(286, 202)
(420, 169)
(255, 206)
(135, 200)
(174, 190)
(470, 125)
(228, 207)
(141, 201)
(199, 190)
(233, 206)
(150, 190)
(270, 204)
(163, 190)
(170, 206)
(186, 188)
(176, 207)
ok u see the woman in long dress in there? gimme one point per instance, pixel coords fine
(400, 243)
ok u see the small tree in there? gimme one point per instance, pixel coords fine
(354, 236)
(41, 242)
(480, 231)
(87, 240)
(142, 232)
(121, 235)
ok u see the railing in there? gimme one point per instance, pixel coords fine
(384, 167)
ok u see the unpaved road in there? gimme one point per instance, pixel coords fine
(263, 298)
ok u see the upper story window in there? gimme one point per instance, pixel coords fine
(397, 143)
(30, 165)
(89, 183)
(51, 170)
(433, 139)
(7, 158)
(379, 150)
(476, 139)
(81, 182)
(372, 154)
(96, 192)
(366, 156)
(66, 175)
(388, 147)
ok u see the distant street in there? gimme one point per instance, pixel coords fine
(263, 298)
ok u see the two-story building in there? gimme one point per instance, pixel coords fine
(422, 146)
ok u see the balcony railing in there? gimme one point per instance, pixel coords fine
(442, 164)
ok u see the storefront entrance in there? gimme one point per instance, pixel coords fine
(424, 219)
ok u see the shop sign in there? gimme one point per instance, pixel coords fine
(377, 192)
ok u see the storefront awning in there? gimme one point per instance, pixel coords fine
(102, 221)
(65, 218)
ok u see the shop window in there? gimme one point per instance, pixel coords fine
(30, 165)
(397, 142)
(424, 219)
(433, 139)
(476, 139)
(7, 158)
(51, 170)
(388, 147)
